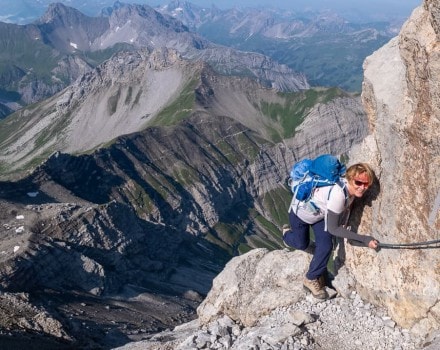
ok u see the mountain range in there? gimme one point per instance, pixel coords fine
(286, 50)
(128, 189)
(134, 185)
(42, 58)
(324, 46)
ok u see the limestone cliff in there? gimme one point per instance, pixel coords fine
(401, 97)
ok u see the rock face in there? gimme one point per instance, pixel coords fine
(251, 287)
(85, 262)
(314, 133)
(401, 97)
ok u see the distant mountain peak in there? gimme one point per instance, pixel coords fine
(58, 10)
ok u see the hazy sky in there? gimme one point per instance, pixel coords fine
(352, 10)
(375, 8)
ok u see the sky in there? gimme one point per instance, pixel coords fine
(376, 8)
(352, 10)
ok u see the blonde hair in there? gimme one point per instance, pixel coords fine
(360, 168)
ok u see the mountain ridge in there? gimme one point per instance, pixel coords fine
(149, 88)
(327, 48)
(72, 44)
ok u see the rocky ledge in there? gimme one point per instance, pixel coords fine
(242, 312)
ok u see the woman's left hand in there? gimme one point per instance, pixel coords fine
(373, 244)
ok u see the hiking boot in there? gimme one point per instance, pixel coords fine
(315, 288)
(322, 281)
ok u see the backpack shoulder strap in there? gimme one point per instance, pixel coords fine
(343, 185)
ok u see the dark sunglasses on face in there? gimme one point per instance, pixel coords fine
(361, 183)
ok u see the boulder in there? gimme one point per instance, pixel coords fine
(254, 284)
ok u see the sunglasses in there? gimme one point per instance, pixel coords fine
(361, 183)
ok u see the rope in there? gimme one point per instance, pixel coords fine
(415, 245)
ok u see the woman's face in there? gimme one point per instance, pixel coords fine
(358, 185)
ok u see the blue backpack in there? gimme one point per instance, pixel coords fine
(308, 174)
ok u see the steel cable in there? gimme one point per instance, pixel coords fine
(415, 245)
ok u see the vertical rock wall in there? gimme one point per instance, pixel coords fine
(401, 95)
